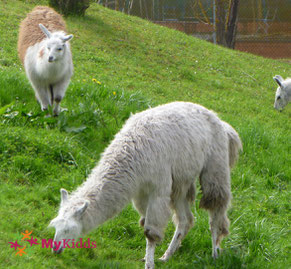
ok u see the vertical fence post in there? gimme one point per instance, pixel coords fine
(155, 7)
(214, 22)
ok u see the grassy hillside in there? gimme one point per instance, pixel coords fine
(139, 64)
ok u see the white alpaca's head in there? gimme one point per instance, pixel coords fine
(55, 44)
(68, 224)
(282, 98)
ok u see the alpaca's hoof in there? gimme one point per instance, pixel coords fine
(163, 259)
(215, 253)
(60, 110)
(142, 260)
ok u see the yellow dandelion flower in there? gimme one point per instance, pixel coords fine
(94, 79)
(98, 82)
(114, 93)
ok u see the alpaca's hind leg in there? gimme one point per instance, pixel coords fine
(183, 220)
(219, 225)
(215, 185)
(157, 216)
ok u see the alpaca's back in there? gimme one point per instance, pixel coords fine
(176, 138)
(30, 33)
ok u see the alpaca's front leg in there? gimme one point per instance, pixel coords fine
(174, 245)
(57, 107)
(157, 215)
(150, 254)
(41, 94)
(59, 90)
(183, 220)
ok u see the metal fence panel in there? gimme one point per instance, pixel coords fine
(264, 26)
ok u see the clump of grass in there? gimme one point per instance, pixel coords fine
(93, 114)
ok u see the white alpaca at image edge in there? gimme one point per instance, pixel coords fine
(154, 161)
(283, 93)
(46, 55)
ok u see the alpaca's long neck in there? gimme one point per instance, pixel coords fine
(108, 193)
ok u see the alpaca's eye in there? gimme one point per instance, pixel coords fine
(49, 48)
(59, 49)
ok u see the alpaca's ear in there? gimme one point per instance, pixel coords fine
(45, 30)
(67, 38)
(278, 79)
(64, 195)
(80, 211)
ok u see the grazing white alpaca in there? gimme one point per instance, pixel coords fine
(153, 162)
(283, 93)
(46, 55)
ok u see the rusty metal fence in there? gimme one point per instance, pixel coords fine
(264, 26)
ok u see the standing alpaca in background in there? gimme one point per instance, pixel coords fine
(44, 50)
(283, 93)
(153, 162)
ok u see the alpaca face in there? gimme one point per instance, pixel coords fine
(68, 223)
(55, 49)
(55, 44)
(281, 99)
(67, 229)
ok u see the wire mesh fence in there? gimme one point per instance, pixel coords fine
(264, 26)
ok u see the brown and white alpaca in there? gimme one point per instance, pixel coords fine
(45, 52)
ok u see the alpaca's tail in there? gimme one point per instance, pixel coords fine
(234, 144)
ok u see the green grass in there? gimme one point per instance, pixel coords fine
(139, 64)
